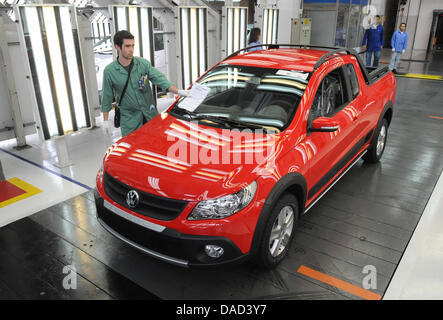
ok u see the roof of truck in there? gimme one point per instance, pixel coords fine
(284, 58)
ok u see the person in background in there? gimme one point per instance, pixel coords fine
(137, 106)
(399, 43)
(373, 42)
(254, 39)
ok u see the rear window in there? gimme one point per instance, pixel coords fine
(352, 76)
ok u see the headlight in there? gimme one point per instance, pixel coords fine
(224, 207)
(100, 174)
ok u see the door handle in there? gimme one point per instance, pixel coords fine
(354, 116)
(353, 112)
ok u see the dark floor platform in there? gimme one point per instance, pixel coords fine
(367, 218)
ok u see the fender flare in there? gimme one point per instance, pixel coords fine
(291, 181)
(387, 108)
(286, 182)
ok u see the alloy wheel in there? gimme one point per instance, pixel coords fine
(381, 140)
(281, 231)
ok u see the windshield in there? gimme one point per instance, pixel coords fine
(247, 95)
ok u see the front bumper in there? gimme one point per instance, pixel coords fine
(164, 243)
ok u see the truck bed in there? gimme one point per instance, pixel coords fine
(376, 73)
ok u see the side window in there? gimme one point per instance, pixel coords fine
(352, 76)
(331, 95)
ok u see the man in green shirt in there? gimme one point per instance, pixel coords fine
(138, 105)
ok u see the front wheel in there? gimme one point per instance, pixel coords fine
(377, 147)
(279, 232)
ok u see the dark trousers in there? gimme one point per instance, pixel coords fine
(377, 55)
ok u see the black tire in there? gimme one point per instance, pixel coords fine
(375, 150)
(264, 257)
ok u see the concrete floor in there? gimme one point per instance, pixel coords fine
(367, 218)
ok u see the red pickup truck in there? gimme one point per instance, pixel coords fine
(225, 174)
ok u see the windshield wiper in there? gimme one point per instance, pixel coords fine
(227, 122)
(236, 123)
(182, 112)
(195, 116)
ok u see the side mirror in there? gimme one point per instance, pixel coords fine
(323, 124)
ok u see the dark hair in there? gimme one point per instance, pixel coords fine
(403, 23)
(120, 36)
(253, 36)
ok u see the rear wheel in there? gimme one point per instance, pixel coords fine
(377, 147)
(279, 232)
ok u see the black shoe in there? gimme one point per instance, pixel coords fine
(395, 71)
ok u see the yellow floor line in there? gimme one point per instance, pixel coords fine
(29, 189)
(421, 76)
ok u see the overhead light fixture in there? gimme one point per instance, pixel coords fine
(229, 32)
(56, 66)
(9, 3)
(134, 28)
(100, 27)
(73, 70)
(55, 57)
(41, 80)
(192, 23)
(235, 28)
(80, 3)
(194, 44)
(270, 26)
(95, 31)
(146, 24)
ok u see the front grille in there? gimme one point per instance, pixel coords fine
(155, 241)
(150, 205)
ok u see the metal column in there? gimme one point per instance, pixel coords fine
(13, 98)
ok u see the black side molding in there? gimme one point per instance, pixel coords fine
(339, 165)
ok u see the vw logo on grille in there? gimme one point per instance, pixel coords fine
(132, 199)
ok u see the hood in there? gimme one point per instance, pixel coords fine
(190, 161)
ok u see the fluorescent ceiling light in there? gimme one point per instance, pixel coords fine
(72, 61)
(35, 35)
(265, 26)
(147, 38)
(185, 48)
(202, 41)
(193, 29)
(139, 20)
(270, 25)
(57, 67)
(275, 27)
(121, 19)
(133, 28)
(244, 13)
(236, 28)
(57, 70)
(229, 30)
(194, 45)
